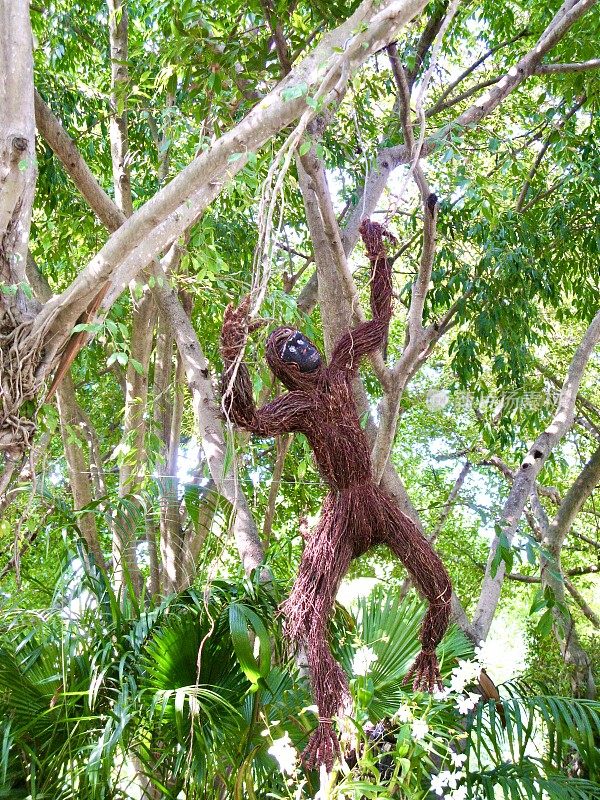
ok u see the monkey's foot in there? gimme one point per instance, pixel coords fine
(425, 672)
(323, 747)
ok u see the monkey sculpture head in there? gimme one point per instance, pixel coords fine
(294, 359)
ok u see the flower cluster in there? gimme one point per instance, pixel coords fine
(450, 779)
(419, 727)
(363, 658)
(284, 752)
(465, 673)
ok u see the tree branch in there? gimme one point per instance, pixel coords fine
(390, 158)
(556, 69)
(431, 30)
(181, 202)
(451, 86)
(587, 612)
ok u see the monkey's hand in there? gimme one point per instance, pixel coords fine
(235, 330)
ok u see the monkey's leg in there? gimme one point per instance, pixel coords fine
(431, 579)
(307, 611)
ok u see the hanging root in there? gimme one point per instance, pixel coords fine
(19, 383)
(425, 672)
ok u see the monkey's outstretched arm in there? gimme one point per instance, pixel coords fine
(369, 336)
(283, 415)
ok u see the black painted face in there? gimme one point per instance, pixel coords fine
(301, 351)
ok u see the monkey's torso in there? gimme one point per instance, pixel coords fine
(333, 430)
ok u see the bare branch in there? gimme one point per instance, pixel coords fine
(580, 66)
(208, 419)
(119, 139)
(65, 150)
(495, 461)
(330, 257)
(580, 490)
(439, 106)
(581, 399)
(563, 624)
(278, 36)
(431, 30)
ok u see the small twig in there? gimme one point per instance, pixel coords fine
(542, 153)
(451, 86)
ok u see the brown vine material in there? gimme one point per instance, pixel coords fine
(357, 514)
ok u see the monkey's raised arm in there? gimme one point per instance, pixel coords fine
(371, 335)
(283, 415)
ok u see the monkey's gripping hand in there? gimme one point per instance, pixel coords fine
(235, 330)
(373, 235)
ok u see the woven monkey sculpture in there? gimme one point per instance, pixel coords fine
(357, 514)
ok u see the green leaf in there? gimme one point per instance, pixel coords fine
(88, 327)
(294, 92)
(544, 625)
(240, 619)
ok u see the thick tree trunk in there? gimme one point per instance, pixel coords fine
(17, 187)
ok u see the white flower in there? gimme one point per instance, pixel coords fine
(363, 658)
(441, 694)
(285, 754)
(486, 653)
(458, 794)
(419, 729)
(451, 779)
(466, 703)
(437, 399)
(438, 783)
(466, 672)
(404, 714)
(458, 759)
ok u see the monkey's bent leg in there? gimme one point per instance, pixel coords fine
(307, 611)
(431, 579)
